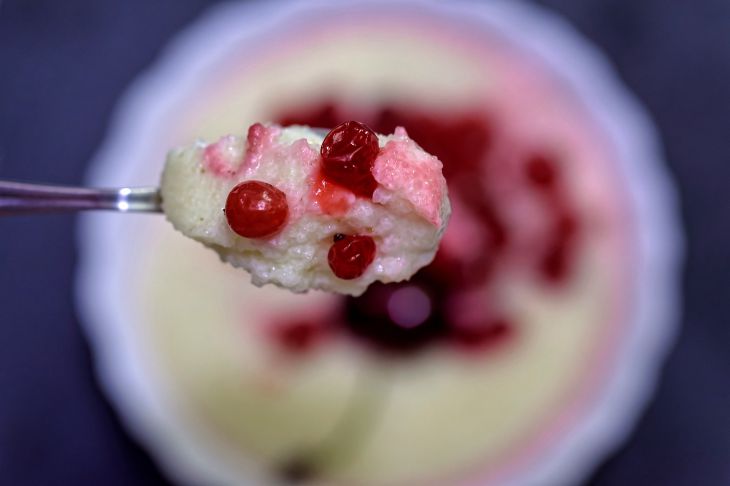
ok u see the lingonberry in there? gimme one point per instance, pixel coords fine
(348, 153)
(350, 255)
(256, 209)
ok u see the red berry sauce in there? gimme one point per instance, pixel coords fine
(256, 209)
(331, 198)
(350, 255)
(450, 302)
(348, 153)
(299, 336)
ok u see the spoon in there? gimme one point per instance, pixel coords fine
(18, 197)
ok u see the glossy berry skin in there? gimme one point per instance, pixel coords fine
(350, 255)
(256, 209)
(348, 153)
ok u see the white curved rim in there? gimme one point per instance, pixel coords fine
(120, 365)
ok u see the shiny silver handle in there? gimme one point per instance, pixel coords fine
(18, 197)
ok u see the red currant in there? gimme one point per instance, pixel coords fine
(351, 255)
(256, 209)
(348, 153)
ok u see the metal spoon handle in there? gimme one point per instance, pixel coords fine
(18, 197)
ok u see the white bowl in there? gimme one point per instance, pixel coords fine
(113, 246)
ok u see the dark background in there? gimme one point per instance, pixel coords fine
(63, 65)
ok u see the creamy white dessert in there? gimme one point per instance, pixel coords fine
(304, 211)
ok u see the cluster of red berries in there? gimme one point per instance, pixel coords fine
(256, 209)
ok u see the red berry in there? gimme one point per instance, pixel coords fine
(348, 153)
(255, 209)
(350, 255)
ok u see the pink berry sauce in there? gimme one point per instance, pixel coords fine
(448, 302)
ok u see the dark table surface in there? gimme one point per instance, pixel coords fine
(63, 66)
